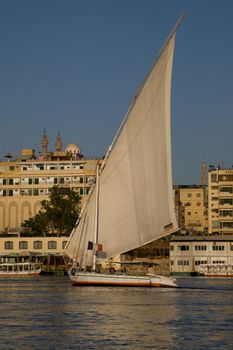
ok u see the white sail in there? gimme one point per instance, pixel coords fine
(135, 185)
(83, 233)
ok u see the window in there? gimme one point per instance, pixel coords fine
(225, 178)
(213, 177)
(200, 247)
(9, 245)
(198, 195)
(218, 262)
(227, 224)
(30, 181)
(52, 245)
(64, 244)
(183, 247)
(4, 181)
(10, 181)
(36, 181)
(171, 247)
(183, 262)
(37, 244)
(218, 247)
(226, 189)
(199, 262)
(226, 201)
(189, 195)
(23, 245)
(11, 167)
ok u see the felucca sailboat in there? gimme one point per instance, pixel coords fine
(131, 203)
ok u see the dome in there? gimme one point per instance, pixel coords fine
(73, 148)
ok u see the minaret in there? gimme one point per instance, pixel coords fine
(44, 143)
(58, 143)
(203, 173)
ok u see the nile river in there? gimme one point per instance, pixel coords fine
(49, 313)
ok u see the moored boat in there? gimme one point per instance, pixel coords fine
(213, 270)
(19, 269)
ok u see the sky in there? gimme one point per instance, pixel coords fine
(74, 66)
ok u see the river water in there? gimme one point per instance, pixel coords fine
(49, 313)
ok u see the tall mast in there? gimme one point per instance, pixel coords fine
(96, 219)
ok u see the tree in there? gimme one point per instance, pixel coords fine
(58, 215)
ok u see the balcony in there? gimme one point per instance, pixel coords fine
(225, 205)
(223, 194)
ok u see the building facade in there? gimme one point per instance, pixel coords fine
(188, 252)
(33, 246)
(220, 201)
(47, 252)
(191, 208)
(27, 180)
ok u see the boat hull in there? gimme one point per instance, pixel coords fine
(21, 273)
(99, 279)
(19, 269)
(215, 274)
(212, 270)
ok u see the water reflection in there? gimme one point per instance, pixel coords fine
(48, 313)
(204, 314)
(123, 317)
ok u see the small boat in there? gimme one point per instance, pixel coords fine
(216, 270)
(19, 269)
(131, 202)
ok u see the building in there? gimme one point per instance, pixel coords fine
(26, 181)
(188, 252)
(191, 208)
(220, 200)
(47, 251)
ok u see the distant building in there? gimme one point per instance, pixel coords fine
(27, 180)
(220, 200)
(188, 252)
(46, 251)
(191, 208)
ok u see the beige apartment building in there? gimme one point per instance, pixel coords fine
(26, 180)
(192, 208)
(220, 201)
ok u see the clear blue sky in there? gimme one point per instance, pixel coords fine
(75, 65)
